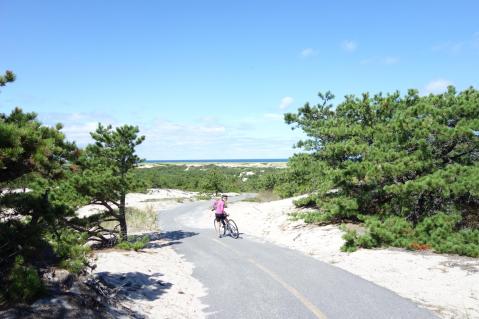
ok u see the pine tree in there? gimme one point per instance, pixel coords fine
(9, 76)
(214, 182)
(411, 156)
(35, 156)
(106, 170)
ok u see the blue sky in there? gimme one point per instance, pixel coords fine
(211, 79)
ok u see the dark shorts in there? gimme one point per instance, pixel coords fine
(220, 217)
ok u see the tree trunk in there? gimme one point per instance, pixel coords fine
(43, 207)
(415, 215)
(122, 218)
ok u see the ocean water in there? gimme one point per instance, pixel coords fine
(248, 160)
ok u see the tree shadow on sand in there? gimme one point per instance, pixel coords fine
(105, 301)
(102, 302)
(135, 285)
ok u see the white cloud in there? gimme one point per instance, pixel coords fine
(168, 140)
(436, 86)
(349, 45)
(183, 131)
(77, 126)
(80, 133)
(286, 102)
(259, 137)
(308, 52)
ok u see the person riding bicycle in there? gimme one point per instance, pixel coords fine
(219, 208)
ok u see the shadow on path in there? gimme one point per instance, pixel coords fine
(177, 235)
(172, 238)
(158, 245)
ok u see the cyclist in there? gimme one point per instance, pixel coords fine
(219, 207)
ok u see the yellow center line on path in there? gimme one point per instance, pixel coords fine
(308, 304)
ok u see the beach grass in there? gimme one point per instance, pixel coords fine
(263, 197)
(138, 220)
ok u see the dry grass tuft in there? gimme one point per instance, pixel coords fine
(138, 220)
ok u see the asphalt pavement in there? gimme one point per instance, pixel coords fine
(248, 278)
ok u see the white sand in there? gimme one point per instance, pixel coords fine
(448, 285)
(159, 198)
(156, 199)
(160, 282)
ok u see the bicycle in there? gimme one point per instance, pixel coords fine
(227, 225)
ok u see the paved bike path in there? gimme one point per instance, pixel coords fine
(247, 278)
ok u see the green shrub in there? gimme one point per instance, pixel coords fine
(24, 284)
(68, 245)
(350, 236)
(315, 217)
(307, 201)
(437, 227)
(438, 232)
(134, 244)
(393, 231)
(204, 196)
(442, 233)
(268, 181)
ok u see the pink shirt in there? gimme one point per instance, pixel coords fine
(220, 207)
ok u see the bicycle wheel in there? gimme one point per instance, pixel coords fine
(234, 232)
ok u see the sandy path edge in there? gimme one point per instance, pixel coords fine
(156, 281)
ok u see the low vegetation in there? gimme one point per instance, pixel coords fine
(23, 282)
(134, 243)
(263, 197)
(69, 246)
(438, 232)
(208, 179)
(138, 220)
